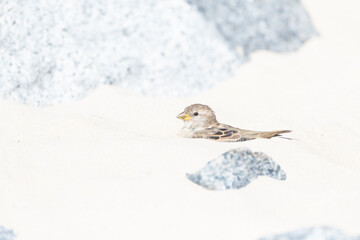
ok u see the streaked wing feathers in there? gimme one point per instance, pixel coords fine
(223, 134)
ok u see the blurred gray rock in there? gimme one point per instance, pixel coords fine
(236, 169)
(56, 51)
(280, 26)
(315, 233)
(6, 234)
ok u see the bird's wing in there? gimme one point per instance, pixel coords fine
(225, 133)
(220, 133)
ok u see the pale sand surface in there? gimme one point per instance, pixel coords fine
(111, 166)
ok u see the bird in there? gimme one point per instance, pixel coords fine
(200, 122)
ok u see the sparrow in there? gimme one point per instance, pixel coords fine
(200, 122)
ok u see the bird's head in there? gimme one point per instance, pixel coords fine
(198, 116)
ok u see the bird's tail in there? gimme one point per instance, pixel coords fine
(272, 133)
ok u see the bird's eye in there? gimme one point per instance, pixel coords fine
(196, 113)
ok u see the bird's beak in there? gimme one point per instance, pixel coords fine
(184, 116)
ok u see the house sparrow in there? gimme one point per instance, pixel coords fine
(200, 122)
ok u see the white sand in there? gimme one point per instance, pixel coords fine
(112, 167)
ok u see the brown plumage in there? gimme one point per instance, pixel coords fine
(200, 122)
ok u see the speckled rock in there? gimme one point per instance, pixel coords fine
(236, 169)
(56, 51)
(6, 234)
(315, 233)
(53, 52)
